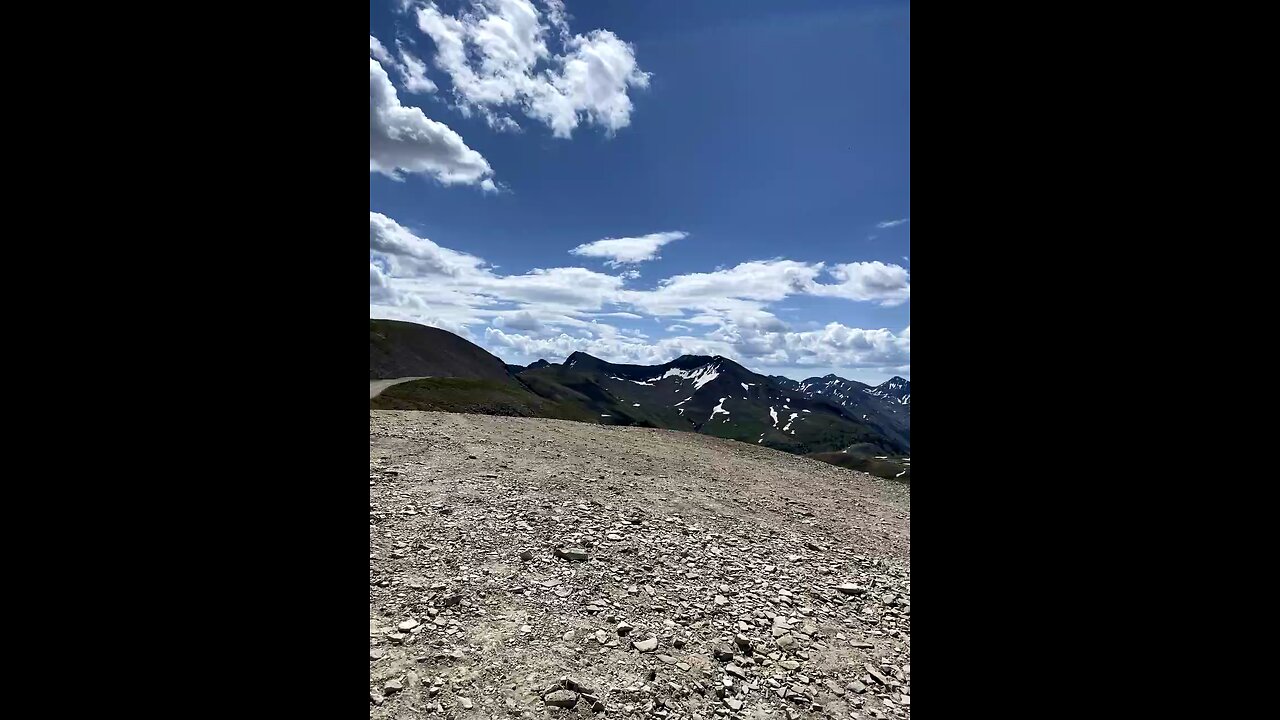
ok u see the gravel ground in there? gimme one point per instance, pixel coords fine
(533, 567)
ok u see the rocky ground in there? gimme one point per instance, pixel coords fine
(523, 567)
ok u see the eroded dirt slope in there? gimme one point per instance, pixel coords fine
(666, 574)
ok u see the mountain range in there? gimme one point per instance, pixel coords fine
(830, 418)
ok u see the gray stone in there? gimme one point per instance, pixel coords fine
(526, 555)
(667, 659)
(790, 664)
(735, 671)
(646, 645)
(574, 554)
(857, 686)
(392, 686)
(408, 625)
(624, 627)
(850, 589)
(466, 702)
(734, 705)
(562, 698)
(874, 673)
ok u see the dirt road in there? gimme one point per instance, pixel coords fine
(666, 571)
(377, 386)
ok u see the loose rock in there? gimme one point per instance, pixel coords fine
(562, 698)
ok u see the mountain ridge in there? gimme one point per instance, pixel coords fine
(706, 394)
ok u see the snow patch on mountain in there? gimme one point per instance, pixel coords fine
(719, 409)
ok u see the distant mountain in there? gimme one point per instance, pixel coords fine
(402, 349)
(517, 369)
(880, 406)
(712, 395)
(894, 388)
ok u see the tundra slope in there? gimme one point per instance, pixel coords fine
(709, 584)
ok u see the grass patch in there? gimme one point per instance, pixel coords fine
(466, 395)
(889, 469)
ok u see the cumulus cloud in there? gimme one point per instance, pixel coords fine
(520, 320)
(551, 312)
(496, 55)
(872, 281)
(614, 347)
(403, 139)
(413, 255)
(836, 346)
(840, 346)
(466, 289)
(628, 250)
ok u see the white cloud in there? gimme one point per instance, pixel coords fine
(892, 223)
(403, 139)
(614, 348)
(415, 72)
(503, 123)
(835, 346)
(552, 312)
(451, 278)
(839, 346)
(379, 51)
(496, 55)
(520, 320)
(626, 250)
(740, 288)
(413, 255)
(872, 281)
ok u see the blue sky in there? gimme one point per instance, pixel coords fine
(638, 180)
